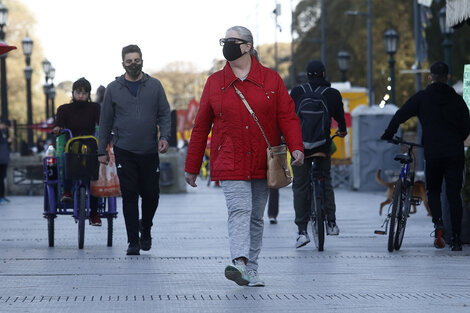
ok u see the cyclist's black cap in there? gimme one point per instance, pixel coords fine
(439, 68)
(81, 84)
(315, 68)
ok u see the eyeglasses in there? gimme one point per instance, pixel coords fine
(232, 40)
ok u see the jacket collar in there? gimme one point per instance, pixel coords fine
(122, 80)
(255, 75)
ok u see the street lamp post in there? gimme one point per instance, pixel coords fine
(3, 70)
(391, 37)
(51, 90)
(343, 58)
(46, 67)
(27, 44)
(447, 43)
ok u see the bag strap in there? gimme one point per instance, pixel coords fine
(239, 93)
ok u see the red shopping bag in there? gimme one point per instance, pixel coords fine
(107, 184)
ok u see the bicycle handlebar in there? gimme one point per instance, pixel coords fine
(399, 140)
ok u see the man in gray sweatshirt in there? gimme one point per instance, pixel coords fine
(136, 112)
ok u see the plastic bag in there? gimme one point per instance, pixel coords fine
(107, 184)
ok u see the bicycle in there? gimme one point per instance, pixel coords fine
(399, 209)
(79, 167)
(316, 198)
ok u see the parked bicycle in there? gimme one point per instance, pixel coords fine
(399, 209)
(316, 197)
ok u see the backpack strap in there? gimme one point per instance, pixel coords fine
(323, 90)
(304, 87)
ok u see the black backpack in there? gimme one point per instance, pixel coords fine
(314, 117)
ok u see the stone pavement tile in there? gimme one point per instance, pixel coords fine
(184, 270)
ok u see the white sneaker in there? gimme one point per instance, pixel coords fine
(255, 281)
(237, 273)
(302, 239)
(272, 220)
(332, 229)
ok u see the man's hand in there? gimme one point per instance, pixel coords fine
(387, 136)
(190, 179)
(103, 159)
(298, 158)
(162, 146)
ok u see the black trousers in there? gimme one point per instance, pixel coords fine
(450, 169)
(3, 175)
(138, 176)
(273, 203)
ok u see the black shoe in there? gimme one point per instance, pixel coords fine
(145, 238)
(456, 244)
(133, 250)
(146, 242)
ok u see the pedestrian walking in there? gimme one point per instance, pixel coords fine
(444, 118)
(238, 148)
(273, 205)
(135, 109)
(331, 104)
(81, 116)
(5, 141)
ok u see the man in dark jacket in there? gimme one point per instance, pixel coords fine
(445, 120)
(135, 109)
(316, 74)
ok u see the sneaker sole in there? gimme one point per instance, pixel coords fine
(305, 243)
(257, 284)
(232, 273)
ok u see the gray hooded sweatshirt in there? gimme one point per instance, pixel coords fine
(134, 120)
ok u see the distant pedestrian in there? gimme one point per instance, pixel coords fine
(238, 148)
(318, 85)
(5, 142)
(444, 117)
(273, 205)
(100, 94)
(135, 109)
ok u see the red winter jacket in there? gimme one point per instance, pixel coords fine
(238, 149)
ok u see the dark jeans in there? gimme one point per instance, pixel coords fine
(3, 175)
(450, 169)
(300, 188)
(273, 203)
(138, 176)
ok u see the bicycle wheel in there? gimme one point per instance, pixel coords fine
(403, 215)
(317, 218)
(110, 230)
(396, 200)
(81, 216)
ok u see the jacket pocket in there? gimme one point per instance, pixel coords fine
(222, 155)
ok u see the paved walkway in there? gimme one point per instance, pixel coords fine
(184, 270)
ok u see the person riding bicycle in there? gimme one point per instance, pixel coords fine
(316, 74)
(80, 116)
(445, 120)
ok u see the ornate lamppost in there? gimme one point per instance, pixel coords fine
(3, 66)
(343, 58)
(27, 44)
(51, 91)
(391, 37)
(46, 67)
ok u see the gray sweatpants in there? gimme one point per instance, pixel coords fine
(246, 200)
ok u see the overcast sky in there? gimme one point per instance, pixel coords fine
(85, 38)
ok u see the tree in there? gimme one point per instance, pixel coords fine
(350, 33)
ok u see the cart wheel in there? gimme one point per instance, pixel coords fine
(50, 229)
(110, 230)
(81, 216)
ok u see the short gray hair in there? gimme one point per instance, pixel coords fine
(246, 35)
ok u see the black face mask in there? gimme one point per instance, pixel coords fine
(80, 102)
(232, 51)
(133, 70)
